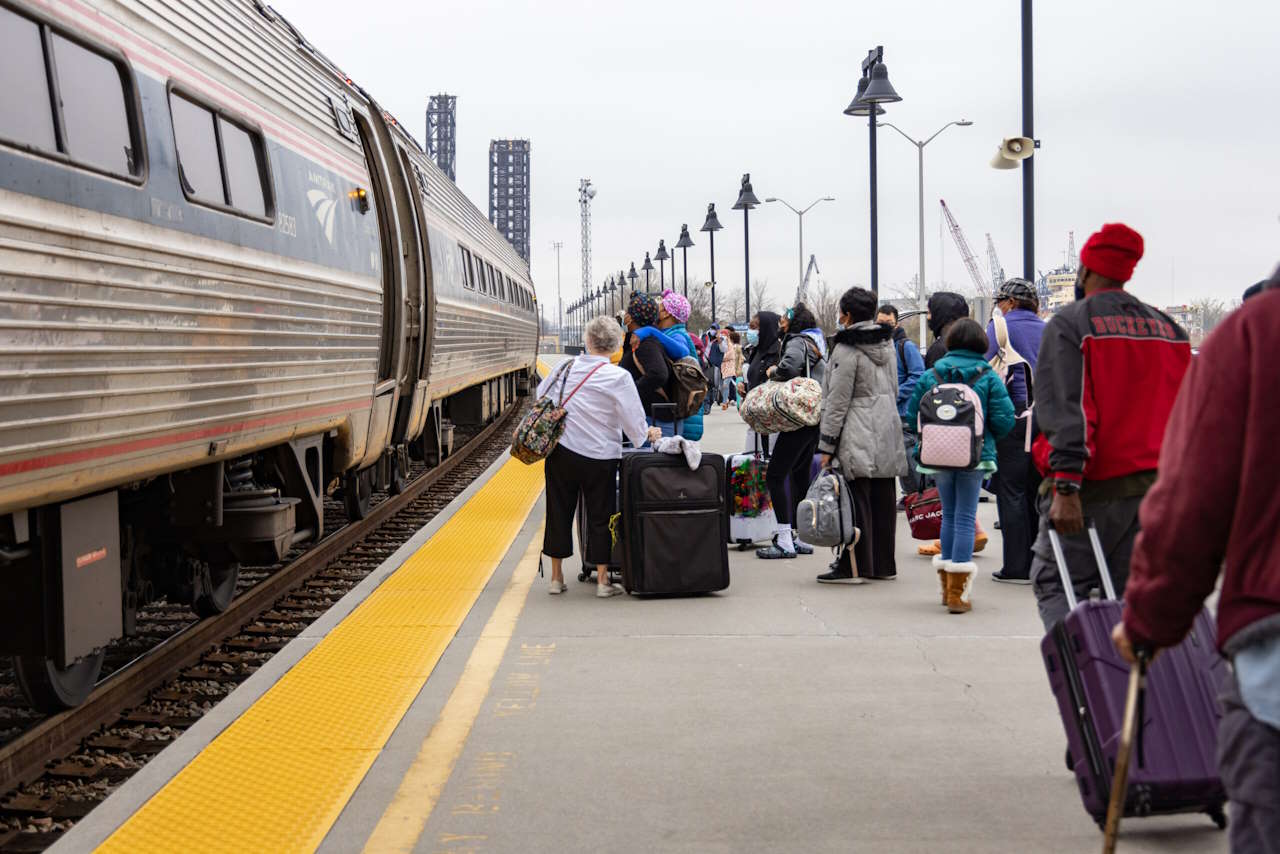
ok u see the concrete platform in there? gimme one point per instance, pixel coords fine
(780, 715)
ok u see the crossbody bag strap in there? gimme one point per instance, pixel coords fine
(565, 400)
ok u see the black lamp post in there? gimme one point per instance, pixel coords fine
(746, 201)
(873, 90)
(683, 245)
(633, 275)
(712, 225)
(660, 256)
(648, 268)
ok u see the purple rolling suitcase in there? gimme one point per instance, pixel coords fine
(1174, 768)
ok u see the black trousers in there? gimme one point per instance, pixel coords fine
(569, 475)
(875, 508)
(1015, 483)
(789, 465)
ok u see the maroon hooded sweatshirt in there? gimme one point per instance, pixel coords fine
(1217, 500)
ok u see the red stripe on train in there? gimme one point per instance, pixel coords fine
(68, 457)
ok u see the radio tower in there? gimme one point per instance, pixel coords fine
(586, 193)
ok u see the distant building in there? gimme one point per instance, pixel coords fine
(442, 120)
(509, 191)
(1061, 288)
(1186, 316)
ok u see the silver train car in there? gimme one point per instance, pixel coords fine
(230, 285)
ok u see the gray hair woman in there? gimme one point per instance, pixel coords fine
(601, 403)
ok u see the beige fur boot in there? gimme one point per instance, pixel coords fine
(940, 566)
(959, 585)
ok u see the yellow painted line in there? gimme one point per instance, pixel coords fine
(278, 777)
(543, 368)
(401, 824)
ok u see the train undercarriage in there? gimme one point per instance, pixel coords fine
(76, 573)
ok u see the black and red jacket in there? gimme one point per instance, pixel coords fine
(1106, 378)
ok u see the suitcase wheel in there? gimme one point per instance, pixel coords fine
(584, 575)
(1071, 765)
(1219, 817)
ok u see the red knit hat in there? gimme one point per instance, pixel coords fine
(1112, 251)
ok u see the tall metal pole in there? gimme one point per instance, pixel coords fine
(875, 258)
(746, 255)
(559, 300)
(1028, 165)
(920, 199)
(712, 235)
(685, 251)
(800, 266)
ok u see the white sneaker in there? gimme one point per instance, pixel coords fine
(604, 591)
(556, 587)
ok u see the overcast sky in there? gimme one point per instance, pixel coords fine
(1164, 115)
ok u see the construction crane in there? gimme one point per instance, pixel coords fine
(804, 285)
(966, 254)
(993, 262)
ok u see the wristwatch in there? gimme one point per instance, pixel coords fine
(1066, 487)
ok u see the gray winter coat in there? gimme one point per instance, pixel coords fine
(860, 423)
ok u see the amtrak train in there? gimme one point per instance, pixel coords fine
(230, 285)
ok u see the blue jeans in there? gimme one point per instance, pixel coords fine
(959, 493)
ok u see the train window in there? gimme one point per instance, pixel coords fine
(82, 112)
(467, 281)
(478, 268)
(220, 162)
(25, 114)
(493, 280)
(196, 136)
(94, 114)
(244, 178)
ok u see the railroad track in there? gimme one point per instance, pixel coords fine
(57, 770)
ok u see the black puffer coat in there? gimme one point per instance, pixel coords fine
(945, 307)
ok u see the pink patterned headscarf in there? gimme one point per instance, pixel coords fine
(676, 306)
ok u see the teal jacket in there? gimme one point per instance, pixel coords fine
(971, 369)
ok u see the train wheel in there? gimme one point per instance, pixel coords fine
(50, 688)
(357, 490)
(214, 592)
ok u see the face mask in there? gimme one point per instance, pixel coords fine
(753, 337)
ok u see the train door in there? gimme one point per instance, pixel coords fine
(391, 355)
(413, 390)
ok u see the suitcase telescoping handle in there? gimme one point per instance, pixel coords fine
(1098, 555)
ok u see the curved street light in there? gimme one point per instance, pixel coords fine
(920, 144)
(800, 215)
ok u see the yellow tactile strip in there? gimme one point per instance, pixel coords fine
(277, 778)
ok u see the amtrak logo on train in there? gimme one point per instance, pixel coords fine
(324, 207)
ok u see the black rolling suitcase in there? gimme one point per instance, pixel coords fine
(675, 526)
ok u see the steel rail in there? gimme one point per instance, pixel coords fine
(23, 758)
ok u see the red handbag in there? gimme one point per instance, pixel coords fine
(924, 514)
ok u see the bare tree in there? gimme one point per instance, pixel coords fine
(1211, 312)
(825, 305)
(760, 295)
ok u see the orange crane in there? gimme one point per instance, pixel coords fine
(966, 254)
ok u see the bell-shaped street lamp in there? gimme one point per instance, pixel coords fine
(660, 256)
(874, 89)
(647, 266)
(683, 245)
(711, 225)
(633, 275)
(746, 201)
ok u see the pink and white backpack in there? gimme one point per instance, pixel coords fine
(951, 426)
